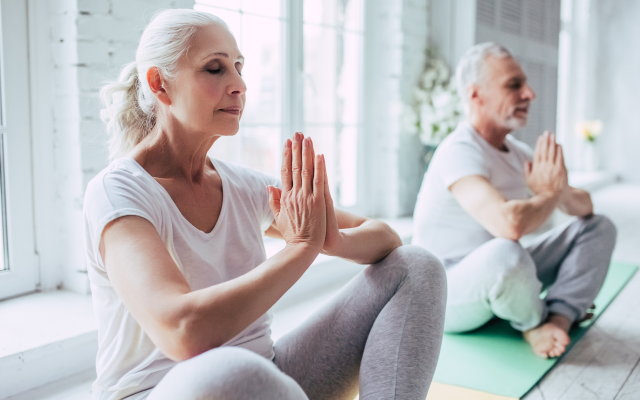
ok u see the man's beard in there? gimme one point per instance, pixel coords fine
(514, 123)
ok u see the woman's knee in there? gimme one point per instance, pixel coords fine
(418, 262)
(226, 373)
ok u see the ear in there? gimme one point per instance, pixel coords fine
(473, 92)
(156, 84)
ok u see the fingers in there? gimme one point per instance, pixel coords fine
(544, 147)
(307, 165)
(551, 138)
(332, 221)
(285, 172)
(296, 160)
(327, 193)
(319, 176)
(537, 153)
(560, 155)
(274, 200)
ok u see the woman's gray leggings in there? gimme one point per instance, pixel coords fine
(382, 332)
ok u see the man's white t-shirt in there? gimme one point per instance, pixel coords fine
(440, 224)
(128, 361)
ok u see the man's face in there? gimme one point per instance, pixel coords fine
(503, 94)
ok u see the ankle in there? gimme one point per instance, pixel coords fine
(560, 321)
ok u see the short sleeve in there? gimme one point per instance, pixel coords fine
(457, 160)
(112, 195)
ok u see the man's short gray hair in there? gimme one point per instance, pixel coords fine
(471, 64)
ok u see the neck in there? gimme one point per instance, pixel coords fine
(170, 152)
(494, 134)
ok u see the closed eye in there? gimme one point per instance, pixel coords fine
(214, 71)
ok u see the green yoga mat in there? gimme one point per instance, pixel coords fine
(495, 359)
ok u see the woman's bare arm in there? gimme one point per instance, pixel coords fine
(184, 323)
(180, 322)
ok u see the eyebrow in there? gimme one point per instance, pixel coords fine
(223, 55)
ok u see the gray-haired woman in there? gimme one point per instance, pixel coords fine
(181, 287)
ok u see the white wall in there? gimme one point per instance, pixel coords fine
(616, 84)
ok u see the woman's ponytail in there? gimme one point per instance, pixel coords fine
(127, 122)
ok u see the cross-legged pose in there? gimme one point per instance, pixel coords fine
(181, 287)
(484, 190)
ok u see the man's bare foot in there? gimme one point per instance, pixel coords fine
(551, 338)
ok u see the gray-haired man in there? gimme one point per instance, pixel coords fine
(484, 190)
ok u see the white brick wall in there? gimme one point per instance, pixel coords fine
(86, 42)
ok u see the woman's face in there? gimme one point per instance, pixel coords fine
(208, 94)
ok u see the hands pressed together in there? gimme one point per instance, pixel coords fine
(547, 174)
(303, 208)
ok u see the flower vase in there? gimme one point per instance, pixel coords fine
(591, 161)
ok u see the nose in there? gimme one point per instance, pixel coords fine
(237, 86)
(528, 93)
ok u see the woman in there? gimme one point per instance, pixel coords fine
(180, 283)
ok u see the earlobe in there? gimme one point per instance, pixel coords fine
(156, 84)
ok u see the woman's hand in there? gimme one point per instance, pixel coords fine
(300, 207)
(334, 238)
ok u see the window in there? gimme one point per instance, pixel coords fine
(303, 72)
(19, 271)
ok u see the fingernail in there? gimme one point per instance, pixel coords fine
(296, 137)
(288, 143)
(305, 143)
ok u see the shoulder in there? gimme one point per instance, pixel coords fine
(461, 145)
(123, 176)
(243, 176)
(122, 188)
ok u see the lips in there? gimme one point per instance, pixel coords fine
(231, 110)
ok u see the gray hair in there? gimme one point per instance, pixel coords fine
(471, 65)
(130, 110)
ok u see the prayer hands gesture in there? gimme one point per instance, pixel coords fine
(547, 174)
(300, 207)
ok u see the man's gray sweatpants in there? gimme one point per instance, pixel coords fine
(502, 278)
(380, 334)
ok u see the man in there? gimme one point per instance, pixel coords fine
(484, 190)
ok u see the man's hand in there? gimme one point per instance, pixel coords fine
(547, 175)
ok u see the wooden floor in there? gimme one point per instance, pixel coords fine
(605, 363)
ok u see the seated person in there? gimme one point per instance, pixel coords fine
(484, 190)
(181, 287)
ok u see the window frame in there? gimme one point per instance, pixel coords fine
(293, 91)
(22, 275)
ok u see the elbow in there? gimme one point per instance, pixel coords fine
(514, 228)
(182, 338)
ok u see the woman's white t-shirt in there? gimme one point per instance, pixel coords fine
(440, 224)
(128, 361)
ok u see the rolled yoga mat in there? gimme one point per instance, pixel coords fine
(495, 363)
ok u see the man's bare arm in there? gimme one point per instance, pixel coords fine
(576, 202)
(506, 219)
(546, 176)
